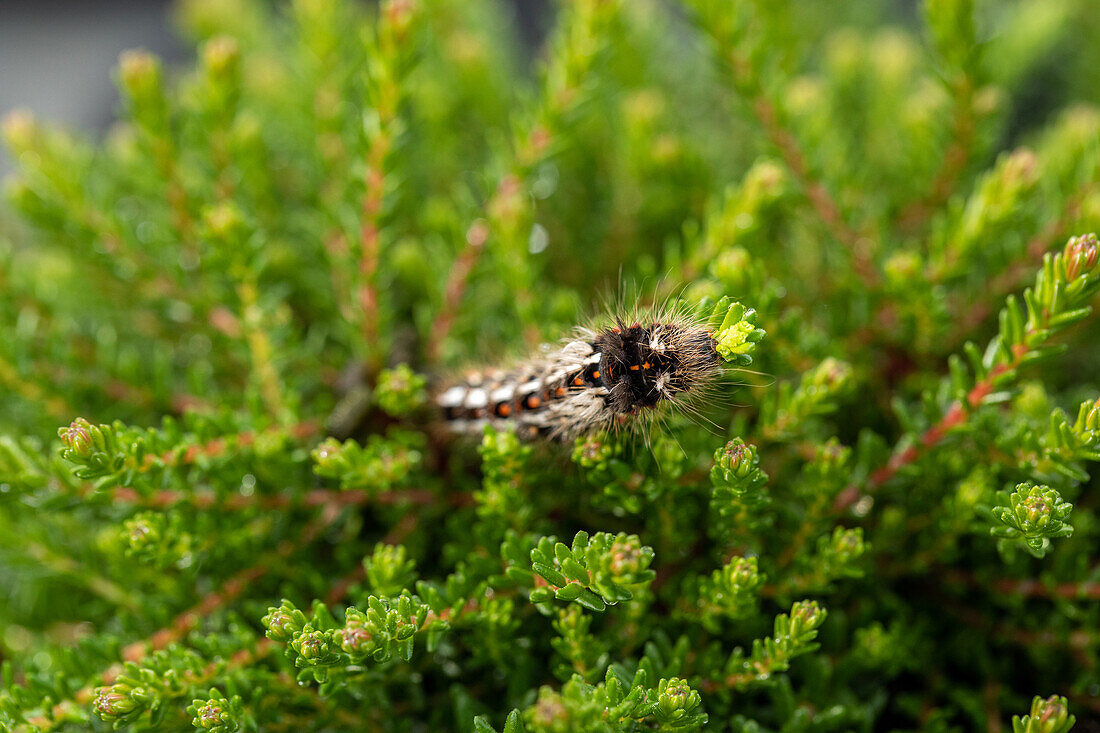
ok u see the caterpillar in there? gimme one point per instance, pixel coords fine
(594, 380)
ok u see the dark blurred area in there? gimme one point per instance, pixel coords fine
(57, 56)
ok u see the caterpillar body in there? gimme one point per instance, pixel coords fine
(595, 380)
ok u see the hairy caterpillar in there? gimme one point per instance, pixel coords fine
(597, 379)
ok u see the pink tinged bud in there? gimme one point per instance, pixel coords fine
(549, 709)
(279, 625)
(111, 704)
(1081, 255)
(210, 715)
(140, 72)
(221, 54)
(676, 694)
(399, 15)
(312, 645)
(353, 639)
(78, 437)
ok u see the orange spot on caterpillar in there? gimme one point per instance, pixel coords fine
(533, 402)
(647, 365)
(633, 367)
(596, 374)
(560, 391)
(577, 381)
(504, 409)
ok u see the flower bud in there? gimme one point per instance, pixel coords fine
(221, 56)
(353, 639)
(140, 74)
(1081, 255)
(312, 644)
(1049, 716)
(674, 694)
(282, 623)
(399, 16)
(209, 716)
(626, 556)
(78, 437)
(111, 703)
(737, 458)
(806, 616)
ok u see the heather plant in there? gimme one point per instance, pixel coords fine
(228, 503)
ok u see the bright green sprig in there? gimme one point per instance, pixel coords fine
(1049, 715)
(738, 500)
(951, 23)
(284, 622)
(401, 391)
(386, 630)
(382, 464)
(584, 653)
(731, 592)
(1035, 515)
(156, 538)
(504, 464)
(1058, 300)
(837, 556)
(99, 451)
(389, 570)
(164, 677)
(1065, 445)
(792, 637)
(218, 714)
(382, 632)
(786, 410)
(595, 572)
(735, 331)
(620, 703)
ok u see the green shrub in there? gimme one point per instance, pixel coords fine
(237, 304)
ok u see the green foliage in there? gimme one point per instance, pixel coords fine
(1047, 716)
(792, 637)
(239, 304)
(595, 572)
(1035, 515)
(618, 704)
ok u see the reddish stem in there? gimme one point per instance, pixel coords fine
(315, 497)
(956, 415)
(955, 160)
(456, 286)
(216, 447)
(820, 198)
(1030, 587)
(369, 238)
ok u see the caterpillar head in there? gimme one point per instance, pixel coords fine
(642, 366)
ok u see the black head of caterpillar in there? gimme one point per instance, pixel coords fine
(598, 379)
(642, 365)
